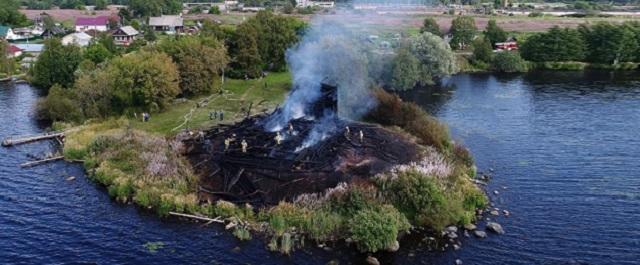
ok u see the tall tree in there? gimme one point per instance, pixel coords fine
(97, 53)
(246, 61)
(9, 14)
(56, 65)
(143, 80)
(200, 62)
(406, 68)
(608, 43)
(143, 8)
(482, 50)
(494, 33)
(101, 4)
(275, 34)
(6, 63)
(430, 25)
(556, 45)
(463, 30)
(421, 61)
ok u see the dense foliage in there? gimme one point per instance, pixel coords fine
(6, 63)
(200, 62)
(602, 43)
(144, 8)
(610, 44)
(430, 25)
(463, 30)
(375, 230)
(482, 50)
(142, 81)
(424, 59)
(56, 65)
(494, 33)
(509, 62)
(9, 14)
(260, 43)
(554, 46)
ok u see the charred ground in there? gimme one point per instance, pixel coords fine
(269, 172)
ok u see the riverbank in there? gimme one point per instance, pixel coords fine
(142, 163)
(467, 65)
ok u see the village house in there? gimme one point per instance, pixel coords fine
(81, 39)
(6, 33)
(31, 49)
(100, 23)
(53, 32)
(125, 35)
(167, 24)
(13, 51)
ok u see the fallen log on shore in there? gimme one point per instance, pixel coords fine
(38, 162)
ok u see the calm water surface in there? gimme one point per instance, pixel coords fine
(564, 148)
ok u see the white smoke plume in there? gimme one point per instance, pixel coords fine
(327, 53)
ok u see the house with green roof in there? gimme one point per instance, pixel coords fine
(6, 33)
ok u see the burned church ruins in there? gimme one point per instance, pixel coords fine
(245, 162)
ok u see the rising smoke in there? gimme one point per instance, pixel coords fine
(329, 53)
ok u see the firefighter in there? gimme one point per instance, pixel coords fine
(278, 138)
(244, 146)
(227, 142)
(361, 136)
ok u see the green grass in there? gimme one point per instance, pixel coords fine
(239, 94)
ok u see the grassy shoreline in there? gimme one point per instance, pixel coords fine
(142, 163)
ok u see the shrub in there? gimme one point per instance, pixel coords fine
(323, 225)
(463, 155)
(392, 111)
(286, 216)
(474, 199)
(417, 196)
(377, 229)
(482, 50)
(242, 233)
(286, 244)
(509, 62)
(562, 66)
(357, 197)
(59, 105)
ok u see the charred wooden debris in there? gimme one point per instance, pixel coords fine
(244, 162)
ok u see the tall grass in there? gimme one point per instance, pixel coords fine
(392, 111)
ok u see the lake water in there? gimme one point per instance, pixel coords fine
(564, 148)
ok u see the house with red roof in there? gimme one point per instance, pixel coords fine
(13, 51)
(99, 23)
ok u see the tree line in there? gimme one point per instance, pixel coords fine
(102, 79)
(601, 43)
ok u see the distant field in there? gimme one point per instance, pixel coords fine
(509, 23)
(66, 14)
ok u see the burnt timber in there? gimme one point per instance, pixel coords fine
(269, 172)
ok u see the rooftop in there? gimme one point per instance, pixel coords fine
(3, 31)
(171, 21)
(129, 30)
(31, 47)
(92, 21)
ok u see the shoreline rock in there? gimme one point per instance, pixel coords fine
(495, 227)
(479, 234)
(372, 261)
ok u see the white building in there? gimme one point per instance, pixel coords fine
(79, 38)
(167, 24)
(100, 23)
